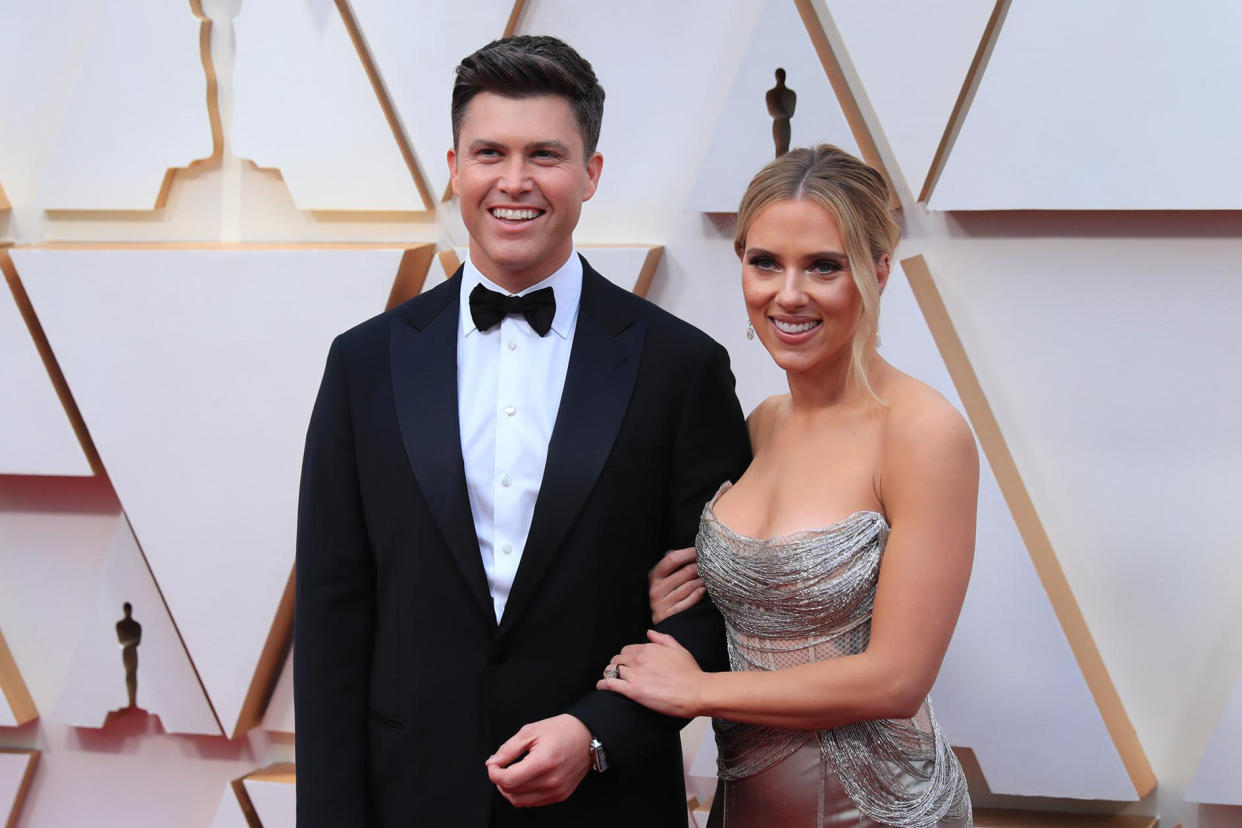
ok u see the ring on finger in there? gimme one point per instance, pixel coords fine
(611, 672)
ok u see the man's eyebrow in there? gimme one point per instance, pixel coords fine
(482, 144)
(559, 146)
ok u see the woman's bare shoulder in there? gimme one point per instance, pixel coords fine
(920, 420)
(762, 420)
(929, 468)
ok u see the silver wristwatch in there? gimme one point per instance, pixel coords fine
(599, 757)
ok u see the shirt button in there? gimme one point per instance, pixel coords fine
(506, 480)
(512, 344)
(510, 410)
(507, 548)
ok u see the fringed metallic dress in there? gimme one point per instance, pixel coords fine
(808, 597)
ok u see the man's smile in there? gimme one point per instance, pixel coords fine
(517, 214)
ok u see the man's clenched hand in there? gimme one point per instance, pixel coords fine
(557, 758)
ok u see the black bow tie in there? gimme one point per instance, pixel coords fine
(487, 308)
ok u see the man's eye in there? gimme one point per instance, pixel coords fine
(544, 155)
(488, 153)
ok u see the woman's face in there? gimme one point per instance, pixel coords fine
(800, 294)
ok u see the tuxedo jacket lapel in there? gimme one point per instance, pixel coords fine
(424, 379)
(603, 367)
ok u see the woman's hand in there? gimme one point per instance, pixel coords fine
(662, 676)
(673, 584)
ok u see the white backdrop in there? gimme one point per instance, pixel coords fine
(1103, 340)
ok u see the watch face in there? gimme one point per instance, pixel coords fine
(599, 759)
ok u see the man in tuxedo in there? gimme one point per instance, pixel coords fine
(491, 470)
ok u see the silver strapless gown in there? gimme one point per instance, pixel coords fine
(808, 597)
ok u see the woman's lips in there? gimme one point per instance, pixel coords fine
(794, 331)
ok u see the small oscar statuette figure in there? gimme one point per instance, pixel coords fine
(782, 101)
(129, 634)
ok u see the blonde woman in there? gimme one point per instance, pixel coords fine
(840, 558)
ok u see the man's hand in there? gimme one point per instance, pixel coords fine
(557, 758)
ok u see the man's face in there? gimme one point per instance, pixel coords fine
(521, 176)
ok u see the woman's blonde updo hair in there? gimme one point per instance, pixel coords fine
(857, 196)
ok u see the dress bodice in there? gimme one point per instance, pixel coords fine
(806, 597)
(795, 598)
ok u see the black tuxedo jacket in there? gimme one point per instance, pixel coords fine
(404, 682)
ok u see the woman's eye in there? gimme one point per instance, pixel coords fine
(825, 267)
(763, 263)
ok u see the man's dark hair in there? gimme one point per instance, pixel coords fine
(525, 66)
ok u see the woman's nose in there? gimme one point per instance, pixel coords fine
(792, 293)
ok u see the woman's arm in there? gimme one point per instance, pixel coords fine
(929, 485)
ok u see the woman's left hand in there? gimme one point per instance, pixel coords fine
(662, 676)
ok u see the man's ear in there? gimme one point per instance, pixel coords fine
(594, 166)
(452, 165)
(881, 271)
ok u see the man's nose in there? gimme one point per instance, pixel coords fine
(515, 176)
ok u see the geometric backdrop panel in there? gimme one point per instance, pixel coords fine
(743, 138)
(16, 705)
(911, 76)
(36, 436)
(134, 775)
(165, 682)
(304, 104)
(272, 794)
(278, 716)
(628, 266)
(230, 813)
(416, 49)
(55, 537)
(1219, 777)
(1108, 105)
(135, 107)
(1010, 686)
(195, 371)
(37, 41)
(16, 770)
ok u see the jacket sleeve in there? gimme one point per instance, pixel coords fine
(712, 445)
(333, 616)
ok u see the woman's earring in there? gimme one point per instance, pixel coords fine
(750, 330)
(877, 340)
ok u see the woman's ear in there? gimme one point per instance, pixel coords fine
(881, 272)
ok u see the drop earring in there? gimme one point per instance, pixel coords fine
(750, 330)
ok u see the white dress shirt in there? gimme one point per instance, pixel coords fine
(509, 383)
